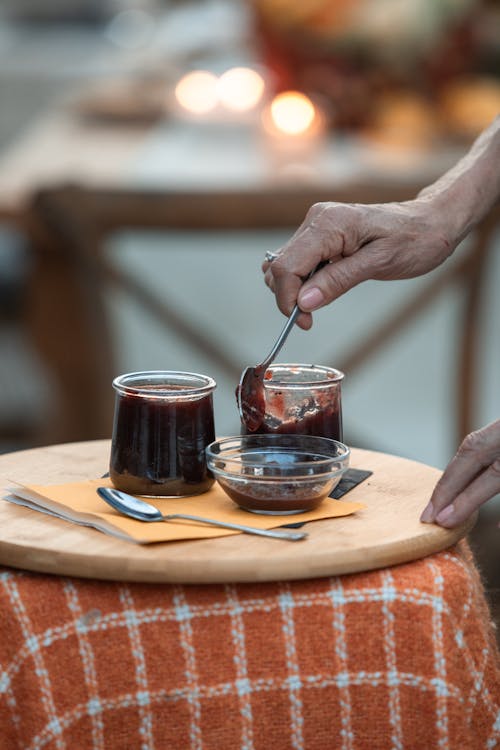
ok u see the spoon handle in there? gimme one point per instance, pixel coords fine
(293, 536)
(281, 338)
(287, 327)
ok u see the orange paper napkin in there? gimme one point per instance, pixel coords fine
(79, 502)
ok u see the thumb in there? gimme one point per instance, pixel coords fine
(332, 282)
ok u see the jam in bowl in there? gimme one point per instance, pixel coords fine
(277, 474)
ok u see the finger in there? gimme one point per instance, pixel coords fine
(478, 451)
(286, 285)
(315, 241)
(266, 264)
(304, 320)
(481, 489)
(269, 279)
(332, 281)
(308, 245)
(322, 237)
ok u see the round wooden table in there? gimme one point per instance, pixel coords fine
(385, 532)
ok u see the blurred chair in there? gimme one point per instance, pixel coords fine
(16, 424)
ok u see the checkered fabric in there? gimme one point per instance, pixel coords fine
(403, 657)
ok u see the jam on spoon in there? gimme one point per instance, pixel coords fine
(251, 397)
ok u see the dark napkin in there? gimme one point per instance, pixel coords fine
(350, 480)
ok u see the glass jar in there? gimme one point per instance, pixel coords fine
(302, 399)
(163, 422)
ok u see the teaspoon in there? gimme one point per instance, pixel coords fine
(250, 394)
(143, 511)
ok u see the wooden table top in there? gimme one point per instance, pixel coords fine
(386, 532)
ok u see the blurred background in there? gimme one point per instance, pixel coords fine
(151, 151)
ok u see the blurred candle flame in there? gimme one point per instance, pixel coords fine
(197, 91)
(292, 113)
(240, 89)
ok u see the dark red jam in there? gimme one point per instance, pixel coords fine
(158, 445)
(292, 399)
(318, 415)
(288, 497)
(321, 422)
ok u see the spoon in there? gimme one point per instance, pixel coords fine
(250, 394)
(143, 511)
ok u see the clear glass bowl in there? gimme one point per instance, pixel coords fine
(277, 474)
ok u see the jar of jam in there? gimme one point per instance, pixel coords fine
(163, 422)
(302, 400)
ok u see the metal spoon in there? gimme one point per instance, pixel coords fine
(142, 511)
(250, 394)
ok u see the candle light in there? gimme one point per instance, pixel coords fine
(240, 89)
(232, 97)
(292, 114)
(196, 92)
(295, 129)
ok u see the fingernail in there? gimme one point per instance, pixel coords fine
(428, 513)
(311, 299)
(446, 514)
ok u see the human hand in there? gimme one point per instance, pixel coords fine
(358, 242)
(471, 478)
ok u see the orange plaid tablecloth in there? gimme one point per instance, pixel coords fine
(403, 657)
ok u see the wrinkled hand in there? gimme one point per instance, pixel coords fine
(471, 478)
(360, 242)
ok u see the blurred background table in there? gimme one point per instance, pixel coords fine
(71, 184)
(103, 165)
